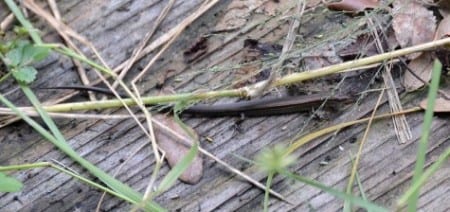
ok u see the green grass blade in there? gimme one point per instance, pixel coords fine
(63, 170)
(178, 169)
(25, 23)
(347, 205)
(423, 143)
(352, 199)
(63, 146)
(57, 137)
(420, 181)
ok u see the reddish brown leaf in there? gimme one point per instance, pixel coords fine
(413, 23)
(441, 106)
(175, 149)
(353, 5)
(422, 67)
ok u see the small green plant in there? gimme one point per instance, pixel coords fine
(273, 160)
(19, 55)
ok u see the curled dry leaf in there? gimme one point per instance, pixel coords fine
(175, 149)
(413, 24)
(422, 67)
(441, 106)
(353, 5)
(443, 29)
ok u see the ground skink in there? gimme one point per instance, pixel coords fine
(250, 108)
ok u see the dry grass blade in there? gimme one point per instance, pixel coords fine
(128, 65)
(68, 31)
(287, 46)
(139, 101)
(6, 111)
(361, 145)
(401, 126)
(137, 52)
(63, 34)
(173, 34)
(31, 5)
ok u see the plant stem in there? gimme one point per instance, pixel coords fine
(242, 92)
(266, 193)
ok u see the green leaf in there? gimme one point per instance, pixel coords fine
(9, 184)
(33, 53)
(24, 53)
(26, 74)
(13, 57)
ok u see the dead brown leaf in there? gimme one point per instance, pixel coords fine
(422, 67)
(413, 24)
(175, 150)
(442, 105)
(353, 5)
(443, 29)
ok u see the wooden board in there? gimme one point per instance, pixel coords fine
(116, 27)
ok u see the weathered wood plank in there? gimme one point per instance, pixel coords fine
(115, 27)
